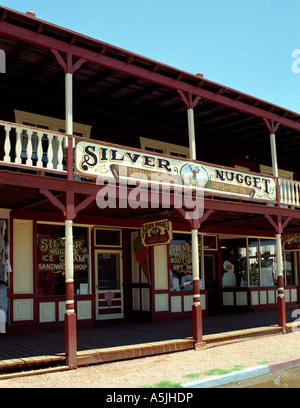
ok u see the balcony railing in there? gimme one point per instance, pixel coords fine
(44, 151)
(27, 147)
(289, 192)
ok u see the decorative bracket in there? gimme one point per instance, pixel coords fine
(188, 99)
(68, 66)
(195, 223)
(69, 210)
(279, 227)
(271, 125)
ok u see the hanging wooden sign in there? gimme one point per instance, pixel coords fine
(156, 233)
(291, 243)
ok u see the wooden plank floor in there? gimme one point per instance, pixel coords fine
(48, 347)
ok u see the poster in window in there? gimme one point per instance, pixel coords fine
(180, 258)
(51, 259)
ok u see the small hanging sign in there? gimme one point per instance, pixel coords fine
(291, 243)
(156, 233)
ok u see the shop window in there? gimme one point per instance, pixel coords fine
(51, 260)
(289, 268)
(252, 262)
(253, 253)
(268, 270)
(210, 242)
(107, 237)
(234, 262)
(180, 261)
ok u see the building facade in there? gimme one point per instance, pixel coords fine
(132, 189)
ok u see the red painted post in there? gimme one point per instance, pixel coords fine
(196, 308)
(197, 313)
(70, 316)
(281, 308)
(70, 327)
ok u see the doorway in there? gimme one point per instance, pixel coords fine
(211, 282)
(109, 284)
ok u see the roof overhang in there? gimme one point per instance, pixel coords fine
(141, 85)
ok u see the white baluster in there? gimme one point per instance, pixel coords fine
(39, 150)
(29, 147)
(284, 197)
(7, 144)
(60, 155)
(292, 192)
(297, 193)
(287, 192)
(18, 159)
(281, 194)
(50, 151)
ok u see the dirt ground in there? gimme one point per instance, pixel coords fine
(180, 367)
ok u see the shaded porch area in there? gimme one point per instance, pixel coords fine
(132, 339)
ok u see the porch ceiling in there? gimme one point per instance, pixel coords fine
(33, 71)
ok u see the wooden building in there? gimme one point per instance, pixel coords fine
(78, 118)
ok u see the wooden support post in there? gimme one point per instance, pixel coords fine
(281, 307)
(196, 308)
(70, 316)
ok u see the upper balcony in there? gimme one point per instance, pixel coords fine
(124, 97)
(42, 152)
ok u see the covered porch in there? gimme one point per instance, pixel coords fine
(123, 96)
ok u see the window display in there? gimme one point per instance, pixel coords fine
(180, 260)
(253, 254)
(289, 269)
(268, 270)
(234, 262)
(260, 256)
(51, 260)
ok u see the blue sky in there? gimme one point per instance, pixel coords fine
(243, 44)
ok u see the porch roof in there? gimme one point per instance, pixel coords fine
(225, 219)
(130, 85)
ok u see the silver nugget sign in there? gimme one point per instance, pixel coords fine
(112, 162)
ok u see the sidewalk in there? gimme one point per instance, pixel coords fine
(274, 350)
(246, 374)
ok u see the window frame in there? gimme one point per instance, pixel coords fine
(166, 148)
(53, 124)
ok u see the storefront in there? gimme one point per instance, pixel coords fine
(249, 273)
(75, 216)
(116, 276)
